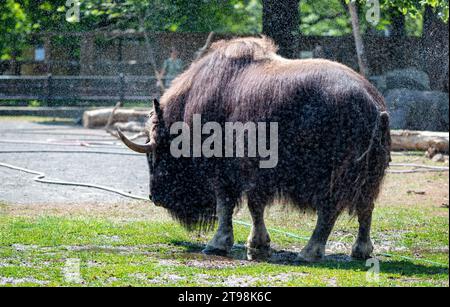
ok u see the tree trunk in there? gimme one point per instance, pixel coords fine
(362, 60)
(435, 49)
(398, 34)
(281, 20)
(398, 24)
(87, 55)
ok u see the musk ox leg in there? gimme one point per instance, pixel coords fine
(315, 249)
(223, 240)
(363, 247)
(258, 243)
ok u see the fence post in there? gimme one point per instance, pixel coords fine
(122, 88)
(48, 99)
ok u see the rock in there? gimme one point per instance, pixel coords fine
(431, 152)
(409, 78)
(418, 110)
(379, 82)
(438, 158)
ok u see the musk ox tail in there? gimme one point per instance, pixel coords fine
(364, 155)
(381, 126)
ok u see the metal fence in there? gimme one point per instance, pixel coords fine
(78, 88)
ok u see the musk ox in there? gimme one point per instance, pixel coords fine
(333, 144)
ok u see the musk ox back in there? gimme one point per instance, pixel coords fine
(333, 143)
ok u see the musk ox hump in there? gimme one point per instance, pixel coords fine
(246, 48)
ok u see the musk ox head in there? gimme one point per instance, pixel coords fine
(175, 183)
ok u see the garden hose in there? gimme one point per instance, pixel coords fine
(40, 177)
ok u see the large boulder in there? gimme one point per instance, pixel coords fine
(409, 78)
(418, 110)
(379, 82)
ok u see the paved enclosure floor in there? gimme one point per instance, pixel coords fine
(27, 145)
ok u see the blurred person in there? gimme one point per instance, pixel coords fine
(172, 67)
(319, 52)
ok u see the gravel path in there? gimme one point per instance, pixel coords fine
(127, 171)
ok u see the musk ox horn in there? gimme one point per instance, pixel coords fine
(157, 110)
(146, 148)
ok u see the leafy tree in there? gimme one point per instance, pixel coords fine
(172, 15)
(327, 18)
(416, 7)
(331, 18)
(406, 17)
(19, 18)
(15, 25)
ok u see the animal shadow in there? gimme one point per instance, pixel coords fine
(331, 261)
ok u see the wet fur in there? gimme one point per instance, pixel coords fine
(333, 133)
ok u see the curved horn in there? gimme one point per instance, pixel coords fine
(147, 148)
(157, 109)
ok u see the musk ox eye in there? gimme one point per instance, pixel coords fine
(162, 173)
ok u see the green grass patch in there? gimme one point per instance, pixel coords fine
(134, 244)
(37, 251)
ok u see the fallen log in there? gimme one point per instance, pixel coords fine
(420, 140)
(130, 126)
(99, 117)
(401, 139)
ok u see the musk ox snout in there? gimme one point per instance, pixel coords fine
(157, 200)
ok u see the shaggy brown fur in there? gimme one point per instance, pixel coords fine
(333, 133)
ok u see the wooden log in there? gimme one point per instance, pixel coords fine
(99, 117)
(401, 139)
(130, 126)
(419, 140)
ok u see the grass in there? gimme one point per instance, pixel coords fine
(135, 244)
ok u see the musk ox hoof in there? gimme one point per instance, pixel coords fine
(313, 253)
(362, 250)
(261, 253)
(212, 251)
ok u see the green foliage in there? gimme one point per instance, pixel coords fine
(34, 103)
(414, 25)
(330, 18)
(414, 8)
(19, 18)
(327, 18)
(239, 16)
(14, 25)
